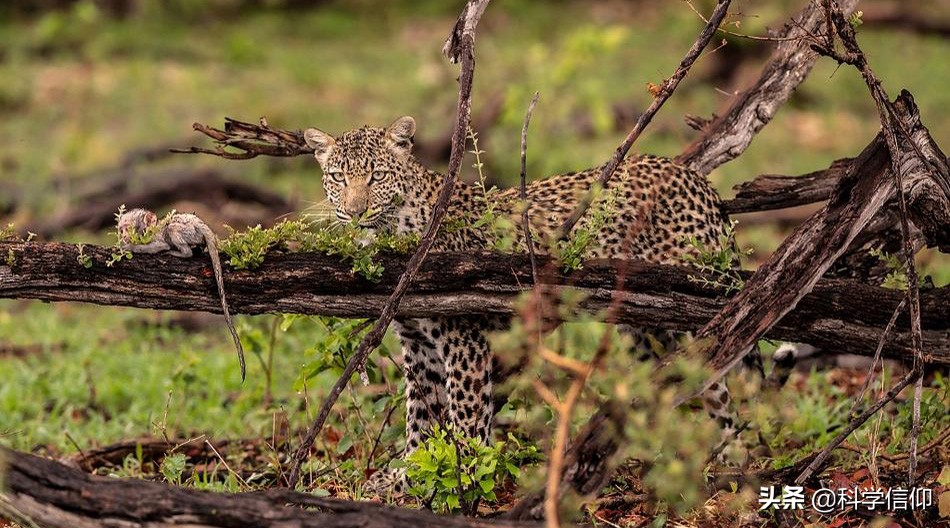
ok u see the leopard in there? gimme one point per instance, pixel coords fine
(661, 212)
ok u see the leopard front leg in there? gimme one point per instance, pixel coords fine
(424, 370)
(468, 366)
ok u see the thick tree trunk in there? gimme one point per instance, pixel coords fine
(838, 315)
(38, 491)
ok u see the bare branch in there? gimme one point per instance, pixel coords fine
(771, 191)
(455, 45)
(525, 224)
(903, 167)
(250, 139)
(791, 62)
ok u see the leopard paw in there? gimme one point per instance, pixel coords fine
(386, 483)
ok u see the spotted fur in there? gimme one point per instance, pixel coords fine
(371, 174)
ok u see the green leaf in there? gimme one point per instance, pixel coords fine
(453, 502)
(172, 467)
(944, 478)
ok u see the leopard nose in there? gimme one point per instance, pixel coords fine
(355, 209)
(355, 201)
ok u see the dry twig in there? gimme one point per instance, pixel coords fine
(889, 122)
(525, 224)
(732, 132)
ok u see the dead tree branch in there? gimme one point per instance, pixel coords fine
(525, 224)
(795, 267)
(907, 160)
(39, 491)
(460, 46)
(771, 191)
(843, 315)
(732, 132)
(665, 91)
(241, 140)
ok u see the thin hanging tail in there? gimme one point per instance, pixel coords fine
(212, 242)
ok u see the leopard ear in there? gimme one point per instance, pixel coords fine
(320, 142)
(400, 133)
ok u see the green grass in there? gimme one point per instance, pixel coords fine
(80, 90)
(107, 375)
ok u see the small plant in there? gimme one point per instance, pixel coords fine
(8, 233)
(117, 256)
(451, 472)
(573, 251)
(247, 249)
(11, 258)
(339, 340)
(498, 228)
(173, 466)
(719, 266)
(896, 278)
(855, 19)
(83, 259)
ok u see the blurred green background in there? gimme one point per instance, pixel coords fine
(86, 82)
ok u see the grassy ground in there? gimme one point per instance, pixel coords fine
(81, 89)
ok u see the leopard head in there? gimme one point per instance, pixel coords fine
(364, 170)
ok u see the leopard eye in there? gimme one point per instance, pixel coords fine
(377, 176)
(336, 177)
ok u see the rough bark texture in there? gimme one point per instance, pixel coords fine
(841, 315)
(772, 191)
(796, 266)
(52, 495)
(731, 133)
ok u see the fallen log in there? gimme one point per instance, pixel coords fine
(840, 315)
(38, 491)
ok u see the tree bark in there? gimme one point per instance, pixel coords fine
(729, 135)
(52, 495)
(796, 266)
(771, 191)
(841, 315)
